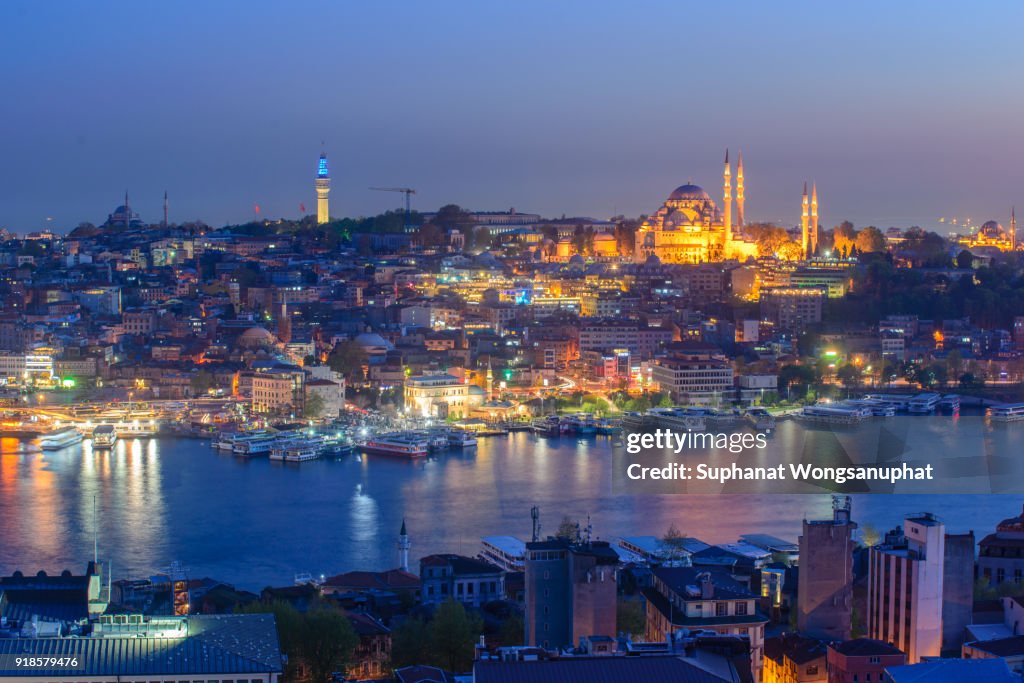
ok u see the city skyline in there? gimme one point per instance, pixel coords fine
(469, 105)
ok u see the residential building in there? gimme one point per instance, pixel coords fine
(571, 591)
(825, 587)
(905, 588)
(1001, 554)
(861, 660)
(440, 395)
(693, 375)
(792, 308)
(471, 581)
(792, 658)
(278, 391)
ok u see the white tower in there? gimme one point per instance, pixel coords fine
(323, 190)
(403, 548)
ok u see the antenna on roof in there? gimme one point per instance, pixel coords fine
(95, 534)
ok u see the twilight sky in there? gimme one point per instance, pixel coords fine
(903, 112)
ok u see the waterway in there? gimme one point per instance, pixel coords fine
(257, 523)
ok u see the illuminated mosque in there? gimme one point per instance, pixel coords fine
(992, 234)
(690, 228)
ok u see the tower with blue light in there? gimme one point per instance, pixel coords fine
(323, 190)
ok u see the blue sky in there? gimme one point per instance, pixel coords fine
(902, 112)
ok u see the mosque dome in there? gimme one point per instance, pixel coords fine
(689, 192)
(256, 337)
(653, 260)
(372, 340)
(991, 229)
(577, 260)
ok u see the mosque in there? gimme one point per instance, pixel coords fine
(690, 228)
(994, 236)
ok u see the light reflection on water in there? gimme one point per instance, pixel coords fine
(257, 523)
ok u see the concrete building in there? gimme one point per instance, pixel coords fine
(792, 308)
(957, 589)
(470, 581)
(792, 658)
(278, 391)
(570, 592)
(642, 341)
(691, 598)
(1001, 555)
(825, 587)
(861, 660)
(693, 375)
(905, 587)
(440, 395)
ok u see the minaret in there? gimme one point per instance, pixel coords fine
(804, 217)
(323, 189)
(165, 208)
(490, 382)
(727, 200)
(1013, 229)
(814, 219)
(127, 211)
(739, 191)
(403, 547)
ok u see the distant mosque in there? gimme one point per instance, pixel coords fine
(123, 217)
(994, 236)
(690, 228)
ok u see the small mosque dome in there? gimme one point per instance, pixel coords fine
(255, 337)
(689, 192)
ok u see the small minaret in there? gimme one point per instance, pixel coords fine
(814, 219)
(804, 217)
(323, 190)
(403, 547)
(739, 191)
(127, 211)
(727, 200)
(165, 208)
(1013, 229)
(490, 381)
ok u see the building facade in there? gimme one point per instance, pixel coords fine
(825, 587)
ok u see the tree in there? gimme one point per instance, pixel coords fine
(328, 641)
(849, 375)
(672, 542)
(453, 634)
(870, 240)
(348, 358)
(869, 535)
(512, 631)
(629, 618)
(314, 406)
(568, 529)
(410, 643)
(965, 260)
(844, 237)
(800, 375)
(201, 382)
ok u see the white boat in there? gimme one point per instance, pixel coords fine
(257, 445)
(760, 419)
(950, 403)
(406, 444)
(60, 438)
(1008, 412)
(460, 438)
(298, 450)
(834, 413)
(104, 436)
(923, 404)
(227, 440)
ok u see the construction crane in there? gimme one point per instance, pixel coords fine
(408, 192)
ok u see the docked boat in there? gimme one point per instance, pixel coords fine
(104, 437)
(1008, 412)
(460, 438)
(760, 419)
(405, 444)
(581, 424)
(606, 426)
(547, 426)
(227, 440)
(261, 445)
(60, 438)
(298, 450)
(923, 404)
(950, 404)
(836, 414)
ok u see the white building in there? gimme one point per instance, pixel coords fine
(440, 395)
(905, 584)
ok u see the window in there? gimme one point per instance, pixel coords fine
(741, 609)
(812, 670)
(721, 609)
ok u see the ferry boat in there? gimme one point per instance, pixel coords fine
(227, 440)
(460, 438)
(877, 408)
(60, 438)
(1008, 412)
(261, 444)
(104, 436)
(837, 414)
(580, 424)
(925, 403)
(899, 402)
(547, 426)
(607, 427)
(760, 419)
(299, 450)
(406, 444)
(950, 403)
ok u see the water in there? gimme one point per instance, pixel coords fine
(258, 523)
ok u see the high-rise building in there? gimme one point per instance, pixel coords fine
(825, 588)
(570, 591)
(323, 191)
(905, 587)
